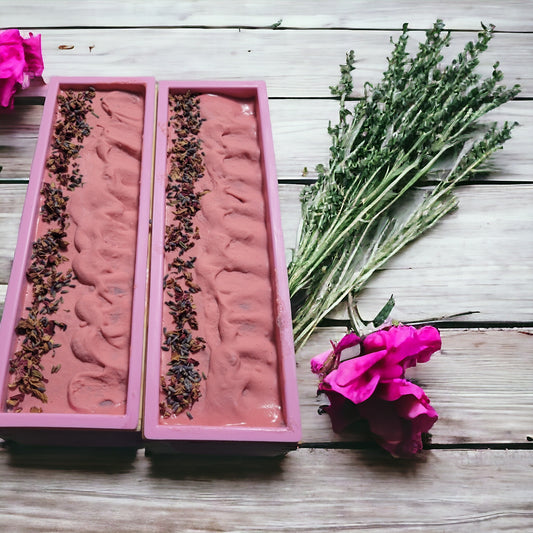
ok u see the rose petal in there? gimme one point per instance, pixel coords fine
(341, 411)
(351, 339)
(11, 36)
(11, 55)
(387, 353)
(356, 390)
(398, 413)
(33, 54)
(317, 362)
(373, 385)
(405, 345)
(7, 90)
(430, 338)
(350, 371)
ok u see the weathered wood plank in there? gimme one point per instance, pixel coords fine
(476, 259)
(294, 63)
(300, 138)
(480, 385)
(19, 130)
(517, 15)
(3, 290)
(11, 204)
(433, 276)
(496, 409)
(309, 490)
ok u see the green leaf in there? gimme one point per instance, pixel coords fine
(384, 313)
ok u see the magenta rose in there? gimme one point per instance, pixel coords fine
(364, 377)
(384, 355)
(20, 60)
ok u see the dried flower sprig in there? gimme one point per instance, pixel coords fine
(181, 384)
(48, 280)
(418, 127)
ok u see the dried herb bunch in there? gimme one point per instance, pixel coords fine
(181, 385)
(45, 275)
(394, 163)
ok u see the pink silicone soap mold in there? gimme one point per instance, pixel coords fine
(220, 368)
(91, 375)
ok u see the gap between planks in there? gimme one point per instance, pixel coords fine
(266, 13)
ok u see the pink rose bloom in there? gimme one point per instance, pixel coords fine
(365, 378)
(20, 60)
(386, 354)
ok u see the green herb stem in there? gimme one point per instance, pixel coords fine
(419, 127)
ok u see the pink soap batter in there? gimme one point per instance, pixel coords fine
(235, 307)
(94, 352)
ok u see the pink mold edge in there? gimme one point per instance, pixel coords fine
(221, 440)
(80, 429)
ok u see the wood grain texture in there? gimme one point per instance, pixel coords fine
(11, 203)
(19, 130)
(479, 384)
(516, 16)
(309, 490)
(3, 290)
(478, 258)
(294, 63)
(300, 138)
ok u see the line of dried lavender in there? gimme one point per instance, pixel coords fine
(48, 282)
(181, 385)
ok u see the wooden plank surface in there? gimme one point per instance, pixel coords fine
(460, 264)
(11, 203)
(476, 259)
(3, 290)
(18, 136)
(516, 16)
(300, 138)
(294, 63)
(309, 490)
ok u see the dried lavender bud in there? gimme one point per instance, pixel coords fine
(181, 384)
(48, 282)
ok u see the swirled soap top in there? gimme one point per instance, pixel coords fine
(219, 357)
(73, 338)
